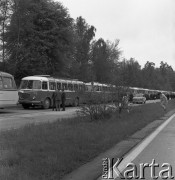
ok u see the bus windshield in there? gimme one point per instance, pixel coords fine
(30, 84)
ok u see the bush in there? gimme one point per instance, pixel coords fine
(96, 107)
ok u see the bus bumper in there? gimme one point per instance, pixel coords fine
(32, 103)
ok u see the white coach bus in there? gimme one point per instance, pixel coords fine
(8, 90)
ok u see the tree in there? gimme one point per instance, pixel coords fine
(167, 75)
(114, 54)
(105, 56)
(129, 73)
(5, 14)
(38, 37)
(148, 75)
(83, 36)
(99, 58)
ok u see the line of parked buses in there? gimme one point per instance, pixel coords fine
(37, 90)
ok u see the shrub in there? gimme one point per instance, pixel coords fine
(96, 107)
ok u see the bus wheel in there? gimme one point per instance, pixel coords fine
(46, 104)
(25, 106)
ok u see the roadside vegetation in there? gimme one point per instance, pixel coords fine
(51, 150)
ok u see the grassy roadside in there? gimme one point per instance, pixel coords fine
(51, 150)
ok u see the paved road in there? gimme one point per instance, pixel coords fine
(15, 117)
(157, 150)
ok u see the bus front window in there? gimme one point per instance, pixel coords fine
(36, 84)
(30, 84)
(8, 83)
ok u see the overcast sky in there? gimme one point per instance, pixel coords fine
(145, 28)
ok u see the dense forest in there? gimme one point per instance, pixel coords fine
(40, 37)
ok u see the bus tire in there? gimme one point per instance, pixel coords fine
(46, 103)
(25, 106)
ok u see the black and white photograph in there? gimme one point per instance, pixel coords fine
(87, 89)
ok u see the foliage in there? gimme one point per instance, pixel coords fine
(83, 35)
(96, 108)
(38, 37)
(105, 56)
(129, 73)
(5, 15)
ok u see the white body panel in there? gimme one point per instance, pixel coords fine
(8, 98)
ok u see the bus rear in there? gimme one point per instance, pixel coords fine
(8, 90)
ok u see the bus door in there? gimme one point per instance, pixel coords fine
(45, 90)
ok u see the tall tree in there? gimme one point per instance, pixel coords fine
(148, 75)
(130, 72)
(84, 35)
(105, 56)
(5, 14)
(166, 73)
(39, 37)
(100, 61)
(114, 54)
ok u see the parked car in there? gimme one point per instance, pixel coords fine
(139, 98)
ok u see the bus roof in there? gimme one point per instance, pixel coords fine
(43, 78)
(5, 74)
(35, 78)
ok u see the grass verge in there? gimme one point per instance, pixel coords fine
(51, 150)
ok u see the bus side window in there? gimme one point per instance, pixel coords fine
(52, 85)
(70, 86)
(81, 87)
(1, 84)
(75, 87)
(64, 86)
(44, 85)
(59, 86)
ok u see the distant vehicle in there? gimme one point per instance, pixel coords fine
(139, 98)
(37, 91)
(8, 90)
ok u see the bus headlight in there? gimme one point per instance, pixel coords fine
(34, 97)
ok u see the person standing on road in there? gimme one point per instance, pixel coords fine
(63, 99)
(163, 101)
(56, 100)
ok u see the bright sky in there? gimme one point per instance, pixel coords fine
(145, 28)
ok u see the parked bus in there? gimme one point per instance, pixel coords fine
(8, 90)
(105, 92)
(37, 91)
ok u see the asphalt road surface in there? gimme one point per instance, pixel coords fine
(16, 117)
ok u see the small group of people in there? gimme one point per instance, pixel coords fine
(58, 99)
